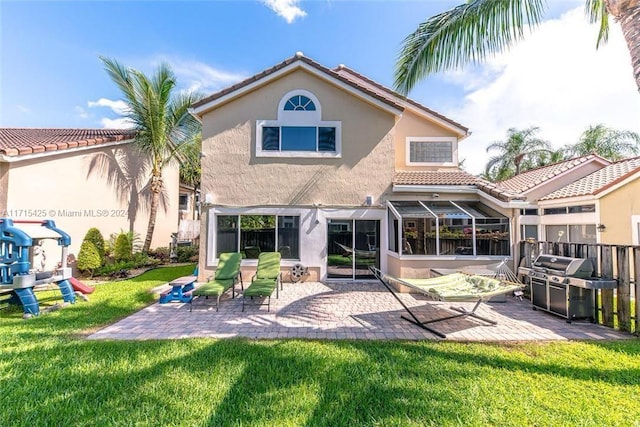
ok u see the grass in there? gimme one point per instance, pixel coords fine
(51, 375)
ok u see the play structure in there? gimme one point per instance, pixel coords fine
(23, 265)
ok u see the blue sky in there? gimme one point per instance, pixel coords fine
(51, 75)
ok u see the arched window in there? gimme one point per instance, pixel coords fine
(299, 130)
(299, 103)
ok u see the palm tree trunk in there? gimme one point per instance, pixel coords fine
(156, 189)
(627, 13)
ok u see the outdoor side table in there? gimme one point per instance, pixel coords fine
(180, 290)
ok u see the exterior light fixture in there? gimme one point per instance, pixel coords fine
(600, 227)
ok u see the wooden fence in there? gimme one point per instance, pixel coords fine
(616, 306)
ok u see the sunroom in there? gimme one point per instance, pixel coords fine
(451, 229)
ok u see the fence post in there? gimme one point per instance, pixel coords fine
(636, 269)
(607, 294)
(624, 289)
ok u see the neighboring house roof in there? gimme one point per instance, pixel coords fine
(453, 178)
(395, 96)
(599, 181)
(21, 141)
(342, 74)
(533, 178)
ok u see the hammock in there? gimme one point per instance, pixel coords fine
(452, 287)
(359, 252)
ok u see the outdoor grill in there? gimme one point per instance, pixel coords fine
(564, 286)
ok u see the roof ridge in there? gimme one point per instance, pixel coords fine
(398, 95)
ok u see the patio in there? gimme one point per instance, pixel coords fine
(346, 310)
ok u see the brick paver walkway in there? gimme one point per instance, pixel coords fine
(346, 311)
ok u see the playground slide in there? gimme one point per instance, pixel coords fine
(79, 286)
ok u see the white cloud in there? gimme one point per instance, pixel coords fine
(555, 79)
(23, 109)
(118, 107)
(81, 112)
(119, 123)
(198, 76)
(288, 9)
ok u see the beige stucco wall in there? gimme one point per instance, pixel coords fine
(4, 186)
(408, 125)
(234, 176)
(616, 209)
(77, 190)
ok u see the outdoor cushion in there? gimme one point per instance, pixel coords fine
(268, 265)
(260, 287)
(225, 277)
(266, 278)
(215, 287)
(228, 266)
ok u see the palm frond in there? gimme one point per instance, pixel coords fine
(596, 11)
(465, 34)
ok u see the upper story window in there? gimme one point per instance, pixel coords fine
(429, 151)
(299, 103)
(299, 130)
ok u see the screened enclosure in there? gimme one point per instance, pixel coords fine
(447, 228)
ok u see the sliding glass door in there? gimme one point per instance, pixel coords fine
(353, 246)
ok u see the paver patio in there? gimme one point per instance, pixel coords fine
(350, 310)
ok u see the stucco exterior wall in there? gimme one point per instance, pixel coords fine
(410, 125)
(4, 186)
(233, 174)
(80, 190)
(616, 213)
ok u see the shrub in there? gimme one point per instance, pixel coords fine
(161, 254)
(94, 236)
(134, 239)
(89, 257)
(122, 249)
(187, 253)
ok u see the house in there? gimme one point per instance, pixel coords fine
(602, 207)
(535, 184)
(338, 173)
(82, 178)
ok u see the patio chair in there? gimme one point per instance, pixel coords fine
(266, 279)
(452, 287)
(226, 276)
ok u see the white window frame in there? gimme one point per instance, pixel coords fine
(454, 149)
(299, 118)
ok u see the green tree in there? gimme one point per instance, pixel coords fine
(95, 236)
(606, 142)
(472, 31)
(190, 169)
(123, 249)
(162, 121)
(88, 257)
(521, 150)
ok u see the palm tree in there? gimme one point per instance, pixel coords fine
(522, 149)
(472, 31)
(161, 119)
(190, 169)
(609, 143)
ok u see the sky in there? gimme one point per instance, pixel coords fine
(51, 75)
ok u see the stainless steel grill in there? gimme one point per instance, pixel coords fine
(564, 286)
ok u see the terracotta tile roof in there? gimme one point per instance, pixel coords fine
(452, 178)
(20, 141)
(534, 177)
(598, 181)
(287, 62)
(392, 95)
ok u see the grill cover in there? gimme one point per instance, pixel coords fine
(575, 267)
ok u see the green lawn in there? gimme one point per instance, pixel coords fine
(51, 375)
